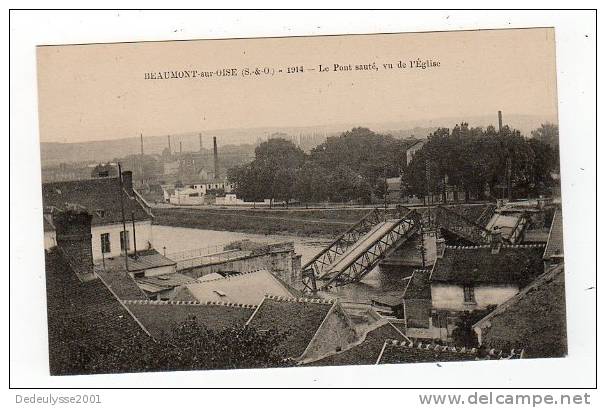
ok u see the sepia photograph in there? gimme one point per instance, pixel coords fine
(302, 201)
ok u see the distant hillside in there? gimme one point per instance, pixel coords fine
(54, 153)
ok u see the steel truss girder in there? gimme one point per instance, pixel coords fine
(461, 226)
(315, 267)
(359, 267)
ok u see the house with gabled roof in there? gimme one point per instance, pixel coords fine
(103, 199)
(535, 318)
(312, 328)
(466, 279)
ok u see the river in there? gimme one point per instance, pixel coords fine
(376, 284)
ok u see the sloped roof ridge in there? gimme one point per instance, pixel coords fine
(233, 277)
(186, 302)
(301, 300)
(492, 353)
(508, 246)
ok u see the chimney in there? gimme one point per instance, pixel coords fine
(496, 240)
(430, 244)
(200, 140)
(215, 157)
(74, 238)
(180, 148)
(440, 247)
(141, 144)
(500, 121)
(169, 150)
(127, 181)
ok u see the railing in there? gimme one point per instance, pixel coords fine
(315, 267)
(195, 253)
(211, 259)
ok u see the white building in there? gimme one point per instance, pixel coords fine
(102, 199)
(194, 193)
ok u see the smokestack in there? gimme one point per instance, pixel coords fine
(200, 140)
(141, 144)
(169, 150)
(180, 147)
(215, 157)
(500, 121)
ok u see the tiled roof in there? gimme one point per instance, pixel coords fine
(163, 282)
(298, 319)
(366, 352)
(147, 259)
(249, 288)
(83, 319)
(555, 242)
(160, 317)
(101, 197)
(535, 318)
(418, 285)
(513, 264)
(395, 352)
(122, 285)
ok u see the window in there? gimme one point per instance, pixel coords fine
(105, 245)
(469, 295)
(124, 243)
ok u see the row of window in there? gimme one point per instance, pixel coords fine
(106, 246)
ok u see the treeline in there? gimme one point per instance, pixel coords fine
(354, 166)
(483, 162)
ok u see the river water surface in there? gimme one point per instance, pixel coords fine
(376, 284)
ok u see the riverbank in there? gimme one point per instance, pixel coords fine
(317, 223)
(326, 223)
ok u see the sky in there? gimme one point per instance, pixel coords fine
(99, 91)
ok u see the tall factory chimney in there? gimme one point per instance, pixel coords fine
(500, 121)
(180, 148)
(200, 140)
(169, 150)
(141, 144)
(215, 157)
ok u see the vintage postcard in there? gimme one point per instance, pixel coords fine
(302, 201)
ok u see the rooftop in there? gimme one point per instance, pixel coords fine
(84, 321)
(160, 283)
(555, 242)
(418, 285)
(513, 264)
(101, 197)
(297, 318)
(248, 288)
(367, 351)
(120, 283)
(537, 312)
(396, 352)
(147, 259)
(159, 317)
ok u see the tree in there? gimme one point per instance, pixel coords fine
(272, 172)
(311, 183)
(548, 133)
(472, 159)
